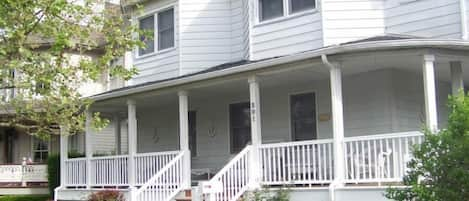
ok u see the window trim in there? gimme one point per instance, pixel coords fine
(33, 139)
(155, 13)
(290, 126)
(286, 13)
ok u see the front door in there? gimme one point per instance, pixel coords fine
(9, 143)
(240, 126)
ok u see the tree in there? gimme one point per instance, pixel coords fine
(440, 168)
(37, 38)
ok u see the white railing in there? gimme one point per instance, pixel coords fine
(166, 184)
(305, 162)
(75, 172)
(23, 173)
(109, 171)
(379, 158)
(234, 177)
(148, 164)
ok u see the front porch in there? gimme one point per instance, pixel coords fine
(308, 123)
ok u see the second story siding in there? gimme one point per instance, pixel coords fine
(426, 18)
(292, 32)
(345, 21)
(214, 32)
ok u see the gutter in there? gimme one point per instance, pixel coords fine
(331, 50)
(464, 22)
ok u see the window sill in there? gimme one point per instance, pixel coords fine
(285, 18)
(155, 53)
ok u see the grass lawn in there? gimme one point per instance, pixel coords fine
(25, 198)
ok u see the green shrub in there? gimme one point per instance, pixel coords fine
(53, 172)
(106, 195)
(25, 198)
(265, 195)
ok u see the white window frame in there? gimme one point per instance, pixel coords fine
(286, 12)
(33, 150)
(155, 13)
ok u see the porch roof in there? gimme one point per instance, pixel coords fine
(382, 42)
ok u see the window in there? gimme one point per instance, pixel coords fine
(166, 29)
(193, 133)
(40, 150)
(271, 9)
(240, 126)
(147, 24)
(303, 116)
(164, 33)
(301, 5)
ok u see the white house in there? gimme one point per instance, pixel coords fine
(325, 97)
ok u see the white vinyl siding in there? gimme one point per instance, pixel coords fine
(425, 18)
(288, 36)
(212, 32)
(345, 21)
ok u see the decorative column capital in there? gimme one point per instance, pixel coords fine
(183, 93)
(131, 102)
(429, 58)
(253, 79)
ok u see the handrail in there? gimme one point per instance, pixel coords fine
(108, 157)
(384, 136)
(232, 161)
(156, 153)
(234, 177)
(160, 173)
(297, 143)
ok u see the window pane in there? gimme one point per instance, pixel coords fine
(270, 9)
(240, 126)
(303, 116)
(166, 29)
(147, 24)
(301, 5)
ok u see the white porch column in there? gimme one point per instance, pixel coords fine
(256, 136)
(184, 136)
(88, 147)
(457, 81)
(337, 122)
(63, 154)
(132, 134)
(430, 92)
(117, 133)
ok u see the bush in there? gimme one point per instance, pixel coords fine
(266, 195)
(440, 168)
(25, 198)
(106, 195)
(53, 172)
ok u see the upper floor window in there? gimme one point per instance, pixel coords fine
(271, 9)
(163, 35)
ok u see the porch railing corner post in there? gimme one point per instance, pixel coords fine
(63, 154)
(132, 193)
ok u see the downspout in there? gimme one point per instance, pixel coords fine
(464, 22)
(336, 182)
